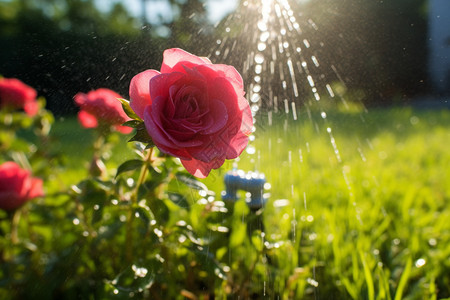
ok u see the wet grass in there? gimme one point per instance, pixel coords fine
(368, 223)
(371, 224)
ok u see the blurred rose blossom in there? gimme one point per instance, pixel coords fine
(17, 186)
(16, 94)
(101, 107)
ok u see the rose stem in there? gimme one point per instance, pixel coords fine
(14, 226)
(134, 200)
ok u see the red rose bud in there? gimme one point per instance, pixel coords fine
(17, 186)
(101, 106)
(193, 110)
(16, 94)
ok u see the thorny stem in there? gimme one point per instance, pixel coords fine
(134, 201)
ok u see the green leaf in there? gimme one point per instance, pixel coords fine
(239, 225)
(129, 165)
(128, 110)
(179, 200)
(134, 124)
(257, 241)
(143, 137)
(192, 182)
(207, 261)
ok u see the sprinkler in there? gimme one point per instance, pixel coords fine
(251, 182)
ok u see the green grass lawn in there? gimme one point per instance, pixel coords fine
(367, 213)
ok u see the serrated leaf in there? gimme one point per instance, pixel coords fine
(128, 110)
(129, 165)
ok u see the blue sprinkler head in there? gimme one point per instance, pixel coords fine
(251, 182)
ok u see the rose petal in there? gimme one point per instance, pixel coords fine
(87, 120)
(31, 108)
(160, 85)
(201, 169)
(155, 128)
(140, 91)
(173, 56)
(123, 129)
(12, 176)
(35, 188)
(17, 186)
(15, 93)
(232, 75)
(80, 99)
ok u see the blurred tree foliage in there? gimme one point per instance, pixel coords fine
(377, 46)
(61, 47)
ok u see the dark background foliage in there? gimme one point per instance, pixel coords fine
(62, 47)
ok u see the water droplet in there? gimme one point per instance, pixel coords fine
(158, 232)
(255, 98)
(262, 25)
(281, 203)
(306, 43)
(420, 263)
(312, 282)
(139, 271)
(258, 69)
(251, 150)
(264, 36)
(130, 182)
(414, 120)
(312, 236)
(259, 58)
(432, 242)
(262, 46)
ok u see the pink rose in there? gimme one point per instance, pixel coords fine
(193, 110)
(16, 94)
(17, 186)
(101, 106)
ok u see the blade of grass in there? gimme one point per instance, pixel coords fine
(368, 277)
(404, 279)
